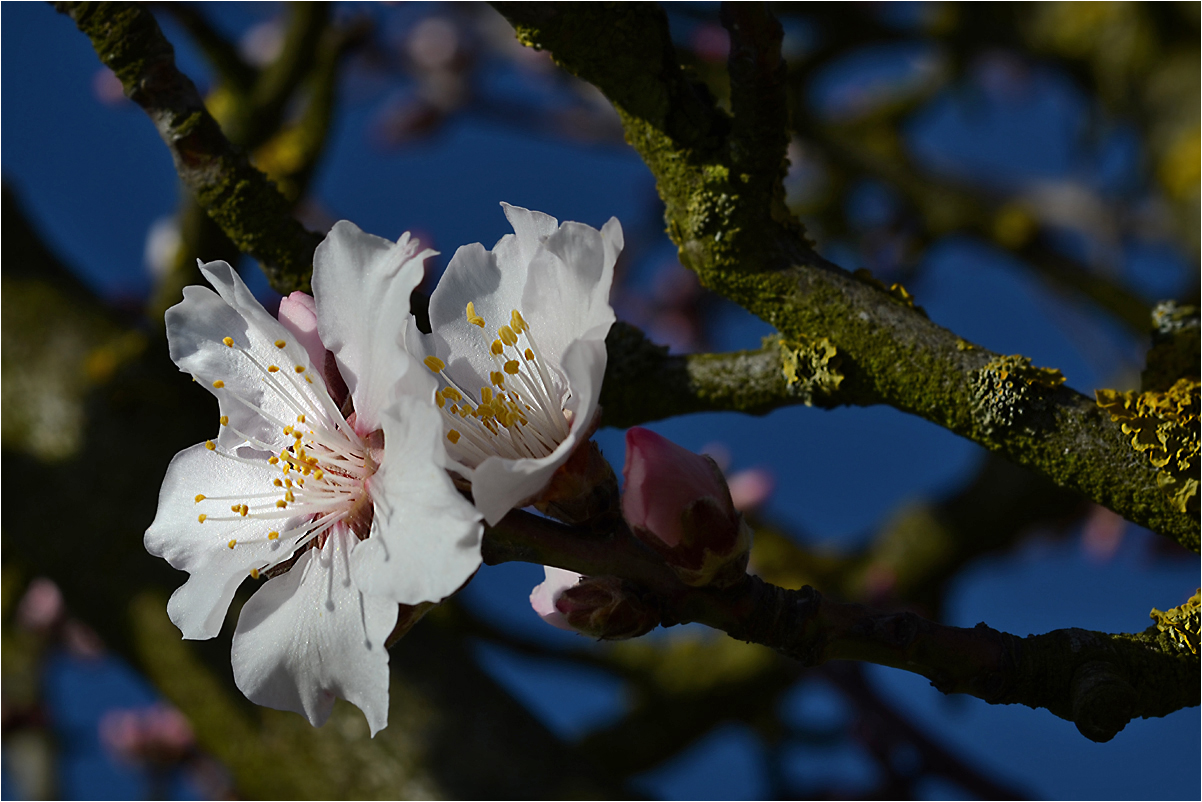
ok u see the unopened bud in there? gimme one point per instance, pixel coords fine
(677, 502)
(608, 608)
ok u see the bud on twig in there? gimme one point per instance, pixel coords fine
(677, 502)
(603, 607)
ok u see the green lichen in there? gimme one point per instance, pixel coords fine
(811, 368)
(1181, 624)
(1008, 393)
(1164, 426)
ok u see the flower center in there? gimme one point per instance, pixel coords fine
(520, 415)
(322, 469)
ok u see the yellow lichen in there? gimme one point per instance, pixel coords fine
(810, 367)
(1164, 426)
(1182, 623)
(895, 289)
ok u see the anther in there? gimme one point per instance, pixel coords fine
(507, 336)
(517, 321)
(497, 377)
(300, 418)
(254, 573)
(434, 364)
(485, 396)
(210, 445)
(453, 436)
(273, 460)
(201, 517)
(200, 497)
(277, 483)
(318, 474)
(299, 368)
(281, 504)
(229, 342)
(219, 384)
(243, 510)
(224, 420)
(273, 368)
(497, 347)
(232, 543)
(529, 355)
(511, 367)
(280, 343)
(273, 535)
(472, 317)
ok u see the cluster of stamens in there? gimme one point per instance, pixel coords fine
(521, 414)
(322, 470)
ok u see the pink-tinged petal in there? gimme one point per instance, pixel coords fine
(310, 635)
(662, 480)
(544, 595)
(202, 549)
(499, 485)
(425, 537)
(298, 314)
(362, 284)
(196, 332)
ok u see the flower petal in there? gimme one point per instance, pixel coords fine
(425, 537)
(362, 284)
(257, 401)
(202, 549)
(567, 287)
(310, 635)
(544, 595)
(498, 484)
(298, 314)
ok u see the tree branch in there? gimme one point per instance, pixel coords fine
(244, 203)
(1097, 680)
(889, 352)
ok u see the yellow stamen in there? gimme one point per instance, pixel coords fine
(219, 384)
(254, 573)
(201, 517)
(277, 483)
(318, 474)
(529, 355)
(243, 510)
(280, 343)
(200, 497)
(210, 445)
(511, 367)
(497, 347)
(507, 336)
(452, 394)
(273, 535)
(434, 364)
(232, 543)
(438, 399)
(485, 396)
(273, 460)
(299, 368)
(453, 436)
(300, 418)
(472, 317)
(229, 342)
(517, 322)
(273, 368)
(281, 504)
(497, 377)
(224, 420)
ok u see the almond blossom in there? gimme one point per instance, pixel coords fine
(327, 478)
(518, 346)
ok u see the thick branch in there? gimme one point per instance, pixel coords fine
(1097, 680)
(244, 203)
(889, 351)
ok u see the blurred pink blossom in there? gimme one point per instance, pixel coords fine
(158, 735)
(750, 488)
(41, 607)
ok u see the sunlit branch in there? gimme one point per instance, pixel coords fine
(889, 352)
(244, 203)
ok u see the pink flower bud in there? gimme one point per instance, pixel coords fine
(545, 595)
(677, 502)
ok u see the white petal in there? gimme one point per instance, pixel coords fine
(202, 549)
(544, 595)
(196, 328)
(425, 538)
(310, 635)
(567, 289)
(499, 485)
(362, 285)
